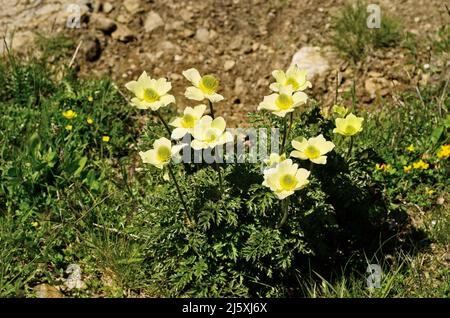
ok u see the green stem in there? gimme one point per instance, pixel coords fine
(350, 148)
(164, 123)
(216, 166)
(284, 210)
(211, 108)
(286, 132)
(172, 175)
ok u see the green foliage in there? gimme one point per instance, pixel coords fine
(68, 197)
(354, 39)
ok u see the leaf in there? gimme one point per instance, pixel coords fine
(81, 164)
(436, 134)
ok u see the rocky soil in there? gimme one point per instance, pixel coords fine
(240, 41)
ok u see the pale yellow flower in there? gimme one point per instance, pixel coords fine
(410, 148)
(294, 77)
(186, 123)
(274, 159)
(106, 138)
(90, 121)
(150, 93)
(285, 178)
(313, 149)
(204, 87)
(407, 168)
(209, 133)
(348, 126)
(69, 127)
(341, 111)
(161, 153)
(283, 102)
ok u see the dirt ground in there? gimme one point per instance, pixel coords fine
(239, 41)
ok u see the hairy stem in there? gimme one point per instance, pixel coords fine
(172, 175)
(211, 109)
(350, 148)
(164, 122)
(284, 210)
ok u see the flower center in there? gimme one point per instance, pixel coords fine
(284, 101)
(211, 135)
(312, 152)
(209, 84)
(293, 82)
(188, 121)
(350, 130)
(288, 182)
(163, 153)
(150, 95)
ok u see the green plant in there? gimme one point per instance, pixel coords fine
(354, 38)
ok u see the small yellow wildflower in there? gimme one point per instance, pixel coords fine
(444, 152)
(410, 148)
(69, 127)
(407, 168)
(421, 165)
(106, 138)
(69, 114)
(429, 191)
(382, 166)
(34, 224)
(89, 121)
(90, 98)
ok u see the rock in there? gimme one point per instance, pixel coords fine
(186, 15)
(124, 18)
(202, 35)
(108, 7)
(187, 33)
(239, 87)
(236, 43)
(310, 59)
(229, 65)
(376, 85)
(176, 25)
(153, 21)
(123, 34)
(168, 46)
(104, 24)
(133, 6)
(47, 291)
(91, 49)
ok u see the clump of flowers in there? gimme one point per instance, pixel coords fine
(281, 175)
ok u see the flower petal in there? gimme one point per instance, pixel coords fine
(193, 76)
(194, 93)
